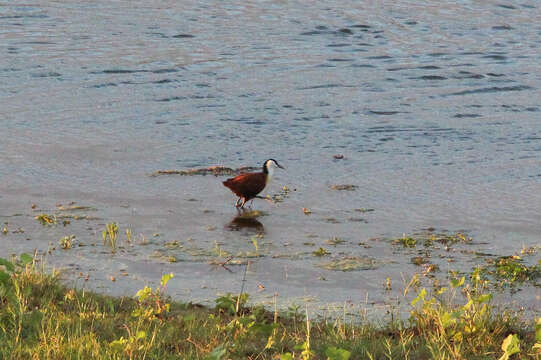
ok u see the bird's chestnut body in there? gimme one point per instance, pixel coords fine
(247, 186)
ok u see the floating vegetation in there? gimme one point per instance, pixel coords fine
(332, 221)
(77, 217)
(281, 196)
(251, 214)
(228, 261)
(363, 210)
(45, 219)
(405, 241)
(428, 238)
(110, 235)
(335, 241)
(430, 268)
(66, 242)
(347, 187)
(212, 170)
(75, 208)
(306, 211)
(320, 252)
(299, 255)
(448, 239)
(350, 263)
(419, 260)
(174, 245)
(510, 270)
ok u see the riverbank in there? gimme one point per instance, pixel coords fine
(42, 318)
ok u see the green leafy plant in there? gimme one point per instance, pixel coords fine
(228, 303)
(334, 353)
(145, 324)
(406, 241)
(510, 346)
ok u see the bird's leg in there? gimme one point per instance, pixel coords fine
(243, 202)
(237, 204)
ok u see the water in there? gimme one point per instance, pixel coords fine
(434, 106)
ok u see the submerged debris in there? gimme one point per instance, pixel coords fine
(347, 187)
(350, 263)
(76, 207)
(212, 170)
(335, 240)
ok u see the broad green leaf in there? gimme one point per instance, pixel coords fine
(510, 346)
(26, 259)
(118, 345)
(458, 282)
(144, 293)
(441, 291)
(4, 277)
(217, 354)
(538, 330)
(334, 353)
(286, 356)
(447, 319)
(468, 305)
(421, 296)
(166, 278)
(9, 266)
(484, 298)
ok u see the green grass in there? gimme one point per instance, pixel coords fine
(41, 318)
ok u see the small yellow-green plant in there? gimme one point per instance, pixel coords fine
(146, 322)
(320, 252)
(45, 219)
(66, 241)
(110, 235)
(406, 241)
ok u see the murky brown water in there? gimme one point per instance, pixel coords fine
(435, 107)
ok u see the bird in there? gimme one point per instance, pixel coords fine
(247, 186)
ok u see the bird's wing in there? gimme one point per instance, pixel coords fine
(247, 185)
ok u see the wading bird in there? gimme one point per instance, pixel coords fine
(247, 186)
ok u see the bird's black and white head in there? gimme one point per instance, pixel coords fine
(269, 166)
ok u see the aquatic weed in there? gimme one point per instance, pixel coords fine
(45, 219)
(320, 252)
(110, 235)
(66, 241)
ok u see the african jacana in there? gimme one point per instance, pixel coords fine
(247, 186)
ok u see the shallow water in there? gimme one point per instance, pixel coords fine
(435, 108)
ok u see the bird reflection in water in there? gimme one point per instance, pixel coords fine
(247, 220)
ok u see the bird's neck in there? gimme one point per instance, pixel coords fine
(269, 172)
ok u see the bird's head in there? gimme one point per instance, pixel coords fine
(269, 166)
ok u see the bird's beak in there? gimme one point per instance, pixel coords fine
(280, 166)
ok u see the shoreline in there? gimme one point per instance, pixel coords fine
(43, 317)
